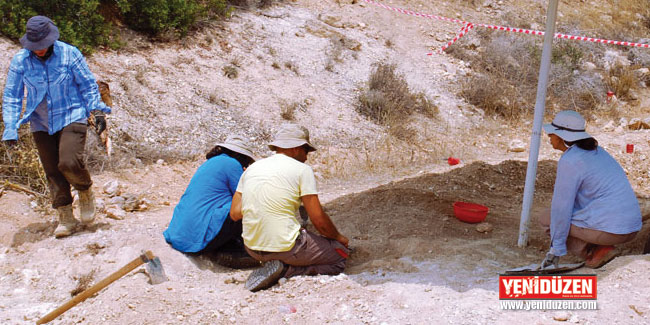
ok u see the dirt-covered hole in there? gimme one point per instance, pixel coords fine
(406, 231)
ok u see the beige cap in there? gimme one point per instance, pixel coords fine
(236, 143)
(291, 136)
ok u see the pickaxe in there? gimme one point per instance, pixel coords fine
(154, 269)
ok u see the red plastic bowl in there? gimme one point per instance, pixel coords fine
(470, 212)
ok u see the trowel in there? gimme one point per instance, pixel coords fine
(551, 269)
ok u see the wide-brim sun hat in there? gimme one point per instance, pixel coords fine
(291, 136)
(40, 33)
(568, 125)
(238, 144)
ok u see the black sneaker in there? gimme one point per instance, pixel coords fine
(236, 260)
(266, 276)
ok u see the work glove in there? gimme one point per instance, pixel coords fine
(549, 260)
(100, 122)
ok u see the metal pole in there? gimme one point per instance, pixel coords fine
(540, 102)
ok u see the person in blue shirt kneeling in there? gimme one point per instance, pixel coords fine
(593, 207)
(200, 223)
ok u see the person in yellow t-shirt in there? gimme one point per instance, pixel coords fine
(267, 200)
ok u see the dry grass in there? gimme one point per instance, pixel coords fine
(83, 282)
(21, 164)
(292, 67)
(288, 110)
(213, 98)
(389, 101)
(505, 66)
(334, 53)
(230, 71)
(389, 156)
(504, 82)
(620, 80)
(621, 19)
(140, 75)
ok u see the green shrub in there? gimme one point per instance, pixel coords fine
(87, 24)
(79, 21)
(155, 17)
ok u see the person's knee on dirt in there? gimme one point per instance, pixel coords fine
(200, 222)
(57, 108)
(593, 205)
(268, 198)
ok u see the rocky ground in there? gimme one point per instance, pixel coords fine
(413, 262)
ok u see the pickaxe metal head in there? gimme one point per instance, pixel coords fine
(154, 268)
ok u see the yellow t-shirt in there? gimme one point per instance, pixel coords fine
(271, 189)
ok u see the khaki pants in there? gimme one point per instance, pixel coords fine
(61, 155)
(581, 240)
(311, 255)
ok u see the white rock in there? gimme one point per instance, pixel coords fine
(517, 145)
(112, 188)
(562, 316)
(613, 58)
(588, 66)
(160, 162)
(114, 213)
(100, 204)
(609, 127)
(117, 201)
(484, 227)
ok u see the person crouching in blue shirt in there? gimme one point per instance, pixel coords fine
(593, 205)
(61, 93)
(201, 223)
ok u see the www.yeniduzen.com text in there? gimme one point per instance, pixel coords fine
(548, 305)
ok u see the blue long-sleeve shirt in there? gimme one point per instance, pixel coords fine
(64, 81)
(591, 191)
(205, 205)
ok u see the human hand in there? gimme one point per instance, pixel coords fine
(343, 240)
(549, 260)
(100, 123)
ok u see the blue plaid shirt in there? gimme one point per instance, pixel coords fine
(63, 80)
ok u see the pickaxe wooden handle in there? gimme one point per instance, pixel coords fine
(147, 256)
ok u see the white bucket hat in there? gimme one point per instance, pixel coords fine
(292, 136)
(237, 144)
(568, 125)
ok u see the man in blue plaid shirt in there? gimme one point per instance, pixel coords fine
(61, 93)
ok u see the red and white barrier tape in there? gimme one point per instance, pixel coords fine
(508, 29)
(461, 33)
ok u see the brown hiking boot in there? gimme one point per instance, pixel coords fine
(67, 222)
(87, 206)
(266, 276)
